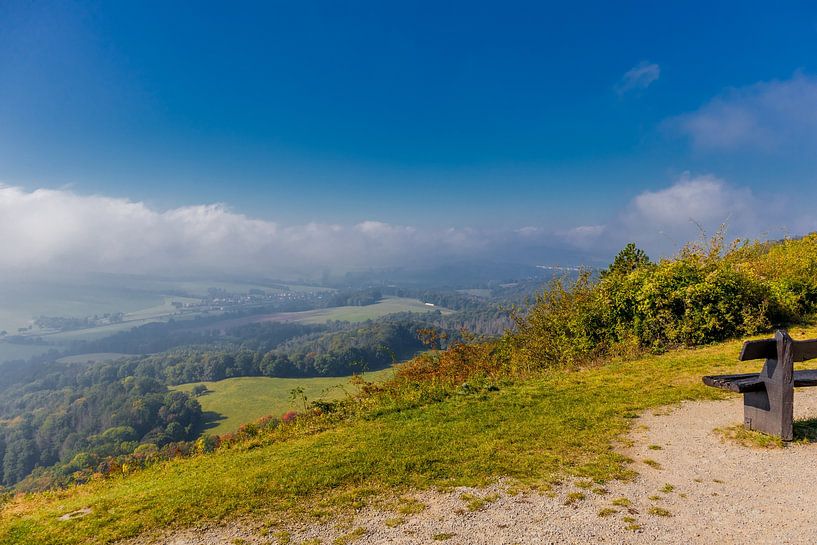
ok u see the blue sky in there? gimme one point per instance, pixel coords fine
(491, 117)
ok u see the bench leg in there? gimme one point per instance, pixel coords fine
(770, 411)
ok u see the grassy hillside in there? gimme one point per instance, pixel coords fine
(534, 431)
(241, 400)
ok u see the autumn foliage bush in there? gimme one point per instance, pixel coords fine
(705, 294)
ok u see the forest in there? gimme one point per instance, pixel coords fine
(78, 418)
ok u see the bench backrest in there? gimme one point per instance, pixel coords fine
(780, 354)
(769, 348)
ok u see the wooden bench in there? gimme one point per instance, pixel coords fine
(768, 396)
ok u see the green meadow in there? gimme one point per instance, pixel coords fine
(236, 401)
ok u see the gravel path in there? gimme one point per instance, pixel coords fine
(720, 493)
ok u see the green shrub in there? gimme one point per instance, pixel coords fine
(566, 325)
(789, 268)
(707, 293)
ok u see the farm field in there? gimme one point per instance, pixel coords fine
(145, 299)
(200, 288)
(27, 300)
(477, 292)
(155, 313)
(388, 305)
(195, 287)
(165, 308)
(246, 399)
(93, 358)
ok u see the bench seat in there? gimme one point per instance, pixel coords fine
(751, 382)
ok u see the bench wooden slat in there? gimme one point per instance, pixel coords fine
(748, 382)
(805, 378)
(751, 382)
(767, 349)
(758, 350)
(805, 350)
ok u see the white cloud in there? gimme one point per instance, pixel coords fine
(662, 221)
(62, 231)
(766, 116)
(529, 231)
(702, 199)
(59, 230)
(584, 236)
(638, 77)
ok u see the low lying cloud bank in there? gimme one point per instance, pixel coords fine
(61, 231)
